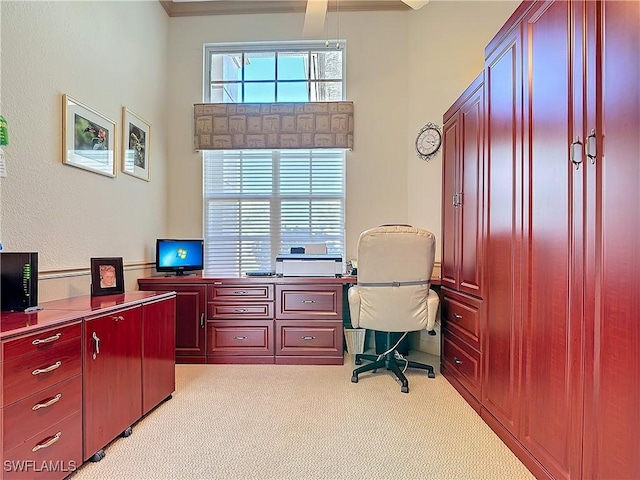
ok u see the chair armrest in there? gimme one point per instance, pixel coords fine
(354, 306)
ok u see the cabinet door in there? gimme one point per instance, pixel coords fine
(611, 433)
(450, 155)
(158, 352)
(191, 306)
(551, 399)
(469, 236)
(112, 376)
(503, 81)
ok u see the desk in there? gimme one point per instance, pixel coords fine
(282, 320)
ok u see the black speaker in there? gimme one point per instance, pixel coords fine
(18, 281)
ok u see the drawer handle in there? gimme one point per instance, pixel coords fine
(38, 371)
(48, 443)
(457, 315)
(457, 361)
(308, 301)
(240, 292)
(241, 310)
(308, 337)
(48, 403)
(239, 338)
(96, 342)
(50, 339)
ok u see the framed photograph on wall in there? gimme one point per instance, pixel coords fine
(136, 134)
(107, 276)
(88, 138)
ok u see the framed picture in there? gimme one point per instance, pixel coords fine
(88, 138)
(136, 134)
(107, 276)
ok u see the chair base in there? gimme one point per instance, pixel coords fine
(390, 363)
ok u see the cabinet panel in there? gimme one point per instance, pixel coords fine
(112, 376)
(59, 447)
(612, 436)
(464, 361)
(158, 352)
(40, 342)
(462, 316)
(308, 337)
(245, 292)
(30, 373)
(27, 417)
(250, 337)
(503, 81)
(239, 311)
(450, 224)
(309, 301)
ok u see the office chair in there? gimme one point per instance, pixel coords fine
(395, 263)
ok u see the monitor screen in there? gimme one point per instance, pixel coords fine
(174, 255)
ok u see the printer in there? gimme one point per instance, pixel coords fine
(308, 265)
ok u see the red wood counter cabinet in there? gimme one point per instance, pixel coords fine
(43, 367)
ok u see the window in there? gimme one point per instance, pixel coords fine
(258, 203)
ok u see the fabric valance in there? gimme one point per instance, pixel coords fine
(242, 126)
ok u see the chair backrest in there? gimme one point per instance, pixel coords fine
(395, 264)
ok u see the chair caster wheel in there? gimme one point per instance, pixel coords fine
(431, 375)
(358, 361)
(404, 389)
(128, 431)
(96, 457)
(354, 379)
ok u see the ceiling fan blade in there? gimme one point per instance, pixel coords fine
(416, 4)
(314, 18)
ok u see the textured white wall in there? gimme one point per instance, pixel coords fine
(106, 55)
(377, 83)
(446, 53)
(403, 70)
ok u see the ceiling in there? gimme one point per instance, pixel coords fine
(185, 8)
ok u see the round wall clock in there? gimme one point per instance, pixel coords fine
(428, 141)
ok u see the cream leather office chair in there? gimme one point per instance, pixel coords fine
(395, 263)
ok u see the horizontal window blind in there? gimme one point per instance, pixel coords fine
(259, 203)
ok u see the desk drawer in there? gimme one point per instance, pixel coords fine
(237, 310)
(240, 338)
(309, 337)
(28, 374)
(58, 448)
(309, 302)
(246, 292)
(463, 361)
(51, 405)
(462, 315)
(43, 341)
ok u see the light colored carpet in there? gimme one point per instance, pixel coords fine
(308, 422)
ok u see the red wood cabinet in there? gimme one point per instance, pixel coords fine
(112, 376)
(158, 352)
(561, 353)
(191, 310)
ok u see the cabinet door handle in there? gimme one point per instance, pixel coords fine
(48, 403)
(308, 337)
(457, 315)
(239, 338)
(119, 318)
(455, 199)
(590, 146)
(50, 339)
(457, 361)
(48, 443)
(575, 153)
(96, 345)
(51, 368)
(202, 320)
(241, 310)
(308, 301)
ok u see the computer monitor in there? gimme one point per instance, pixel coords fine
(179, 256)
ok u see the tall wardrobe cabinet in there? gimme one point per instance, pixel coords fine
(561, 259)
